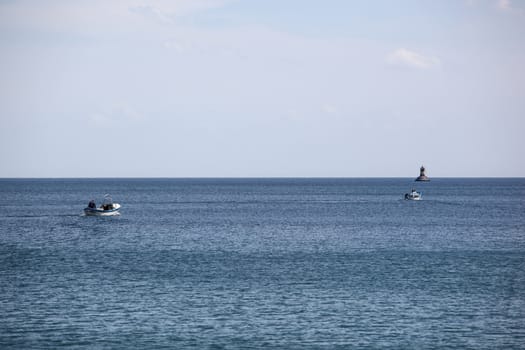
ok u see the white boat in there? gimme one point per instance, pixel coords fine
(108, 208)
(413, 195)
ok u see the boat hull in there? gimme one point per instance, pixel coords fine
(101, 212)
(414, 196)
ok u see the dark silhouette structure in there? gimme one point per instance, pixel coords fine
(422, 176)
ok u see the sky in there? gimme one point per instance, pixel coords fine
(262, 88)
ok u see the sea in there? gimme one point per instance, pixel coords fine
(291, 263)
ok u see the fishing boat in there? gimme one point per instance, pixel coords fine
(413, 195)
(108, 208)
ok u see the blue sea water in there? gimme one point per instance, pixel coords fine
(263, 263)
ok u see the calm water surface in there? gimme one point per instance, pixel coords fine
(263, 263)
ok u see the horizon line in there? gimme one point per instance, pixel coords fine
(252, 177)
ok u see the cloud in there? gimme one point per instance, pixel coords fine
(151, 12)
(98, 15)
(174, 45)
(116, 115)
(167, 11)
(406, 58)
(504, 5)
(330, 109)
(509, 7)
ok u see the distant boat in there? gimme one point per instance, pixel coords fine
(422, 176)
(108, 208)
(413, 195)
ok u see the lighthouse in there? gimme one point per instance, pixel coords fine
(422, 176)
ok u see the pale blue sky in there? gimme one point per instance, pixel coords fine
(210, 88)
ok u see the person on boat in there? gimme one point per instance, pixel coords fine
(92, 204)
(107, 206)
